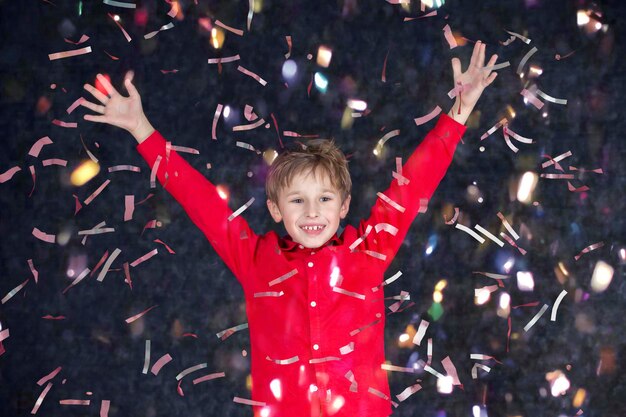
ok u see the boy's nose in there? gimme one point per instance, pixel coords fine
(312, 210)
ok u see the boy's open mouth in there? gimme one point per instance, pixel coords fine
(313, 229)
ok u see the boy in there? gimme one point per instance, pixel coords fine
(316, 326)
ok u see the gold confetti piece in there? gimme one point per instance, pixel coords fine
(120, 4)
(287, 361)
(391, 202)
(481, 366)
(508, 226)
(37, 146)
(249, 126)
(41, 398)
(494, 128)
(238, 32)
(408, 392)
(489, 235)
(526, 57)
(551, 99)
(324, 359)
(349, 293)
(104, 408)
(146, 358)
(532, 98)
(253, 75)
(283, 277)
(68, 54)
(520, 37)
(555, 307)
(268, 294)
(447, 32)
(225, 334)
(248, 402)
(589, 249)
(190, 370)
(209, 377)
(162, 28)
(224, 60)
(14, 291)
(470, 232)
(427, 118)
(138, 316)
(8, 174)
(421, 332)
(532, 322)
(164, 360)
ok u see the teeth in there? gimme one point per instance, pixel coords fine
(312, 227)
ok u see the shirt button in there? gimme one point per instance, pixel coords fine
(312, 252)
(313, 303)
(301, 247)
(310, 264)
(316, 346)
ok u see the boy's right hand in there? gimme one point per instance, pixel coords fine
(117, 110)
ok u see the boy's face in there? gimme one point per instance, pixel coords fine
(310, 208)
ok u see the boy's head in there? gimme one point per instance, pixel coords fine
(309, 190)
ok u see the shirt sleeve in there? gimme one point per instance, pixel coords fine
(233, 240)
(396, 208)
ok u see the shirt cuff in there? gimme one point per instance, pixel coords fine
(449, 130)
(151, 147)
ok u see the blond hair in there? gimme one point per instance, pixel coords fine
(319, 154)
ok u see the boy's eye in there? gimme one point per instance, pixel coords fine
(326, 198)
(296, 200)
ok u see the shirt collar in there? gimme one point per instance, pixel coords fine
(288, 244)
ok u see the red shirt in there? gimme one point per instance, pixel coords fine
(316, 326)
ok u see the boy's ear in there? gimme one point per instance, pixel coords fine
(274, 211)
(345, 207)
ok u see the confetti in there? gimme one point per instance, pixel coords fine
(497, 66)
(185, 149)
(68, 54)
(494, 128)
(247, 146)
(50, 376)
(248, 402)
(162, 28)
(164, 360)
(78, 279)
(269, 294)
(190, 370)
(126, 35)
(225, 334)
(43, 236)
(216, 116)
(33, 270)
(386, 137)
(532, 322)
(350, 377)
(555, 307)
(74, 402)
(104, 408)
(129, 207)
(145, 257)
(481, 366)
(481, 357)
(470, 232)
(249, 126)
(97, 192)
(96, 231)
(74, 105)
(209, 377)
(589, 249)
(573, 189)
(432, 371)
(427, 118)
(454, 218)
(283, 277)
(138, 316)
(550, 98)
(447, 32)
(532, 98)
(224, 60)
(388, 281)
(376, 255)
(391, 229)
(69, 125)
(37, 146)
(421, 332)
(595, 171)
(451, 370)
(361, 239)
(508, 226)
(146, 358)
(394, 368)
(526, 57)
(344, 350)
(516, 136)
(558, 176)
(287, 361)
(508, 41)
(391, 202)
(512, 243)
(377, 393)
(120, 4)
(4, 335)
(556, 160)
(408, 392)
(238, 32)
(7, 175)
(492, 275)
(107, 265)
(153, 172)
(383, 76)
(520, 37)
(489, 235)
(83, 39)
(349, 293)
(54, 161)
(241, 209)
(360, 329)
(41, 398)
(253, 75)
(164, 244)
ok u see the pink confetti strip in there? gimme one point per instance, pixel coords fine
(408, 392)
(48, 377)
(391, 229)
(388, 281)
(224, 60)
(526, 57)
(78, 279)
(344, 350)
(489, 235)
(162, 28)
(104, 408)
(129, 207)
(32, 173)
(238, 32)
(520, 37)
(595, 171)
(164, 360)
(4, 335)
(454, 218)
(131, 168)
(481, 357)
(421, 332)
(394, 368)
(288, 40)
(107, 264)
(556, 305)
(360, 329)
(532, 322)
(512, 243)
(7, 175)
(248, 113)
(240, 209)
(33, 270)
(185, 149)
(551, 99)
(41, 398)
(44, 236)
(589, 249)
(283, 277)
(555, 161)
(494, 128)
(120, 4)
(350, 377)
(145, 257)
(249, 126)
(247, 146)
(573, 189)
(54, 161)
(74, 105)
(253, 75)
(50, 317)
(374, 254)
(209, 377)
(97, 192)
(216, 116)
(457, 90)
(470, 232)
(447, 32)
(377, 393)
(225, 334)
(402, 180)
(516, 136)
(174, 71)
(386, 137)
(78, 206)
(476, 367)
(37, 146)
(427, 118)
(74, 402)
(507, 225)
(146, 358)
(126, 35)
(268, 294)
(391, 202)
(138, 316)
(349, 293)
(153, 172)
(96, 231)
(166, 246)
(190, 370)
(361, 239)
(423, 205)
(287, 361)
(70, 125)
(532, 98)
(492, 275)
(68, 54)
(245, 401)
(558, 176)
(83, 39)
(451, 370)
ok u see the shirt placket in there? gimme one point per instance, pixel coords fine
(315, 320)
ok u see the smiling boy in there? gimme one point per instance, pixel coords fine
(316, 321)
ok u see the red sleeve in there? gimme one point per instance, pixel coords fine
(425, 169)
(234, 241)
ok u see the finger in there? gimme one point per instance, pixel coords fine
(456, 68)
(481, 55)
(92, 106)
(475, 52)
(487, 69)
(491, 78)
(107, 85)
(97, 94)
(97, 119)
(132, 91)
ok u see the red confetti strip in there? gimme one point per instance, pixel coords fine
(573, 189)
(41, 398)
(78, 279)
(33, 270)
(512, 243)
(164, 360)
(78, 206)
(127, 278)
(50, 317)
(69, 125)
(508, 335)
(138, 316)
(533, 304)
(48, 377)
(253, 75)
(114, 58)
(74, 402)
(126, 35)
(83, 39)
(164, 244)
(104, 408)
(97, 192)
(589, 249)
(7, 175)
(195, 336)
(37, 146)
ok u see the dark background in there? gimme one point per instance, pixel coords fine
(195, 293)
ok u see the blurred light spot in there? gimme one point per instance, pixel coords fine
(336, 405)
(222, 191)
(602, 276)
(289, 69)
(431, 245)
(226, 112)
(321, 82)
(579, 398)
(244, 353)
(437, 296)
(205, 24)
(526, 186)
(403, 338)
(510, 110)
(269, 156)
(504, 305)
(480, 199)
(265, 412)
(525, 281)
(441, 285)
(276, 388)
(435, 311)
(116, 17)
(444, 385)
(324, 55)
(257, 6)
(84, 172)
(64, 236)
(559, 384)
(482, 296)
(217, 37)
(313, 388)
(43, 105)
(535, 71)
(622, 254)
(334, 276)
(508, 265)
(358, 105)
(482, 149)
